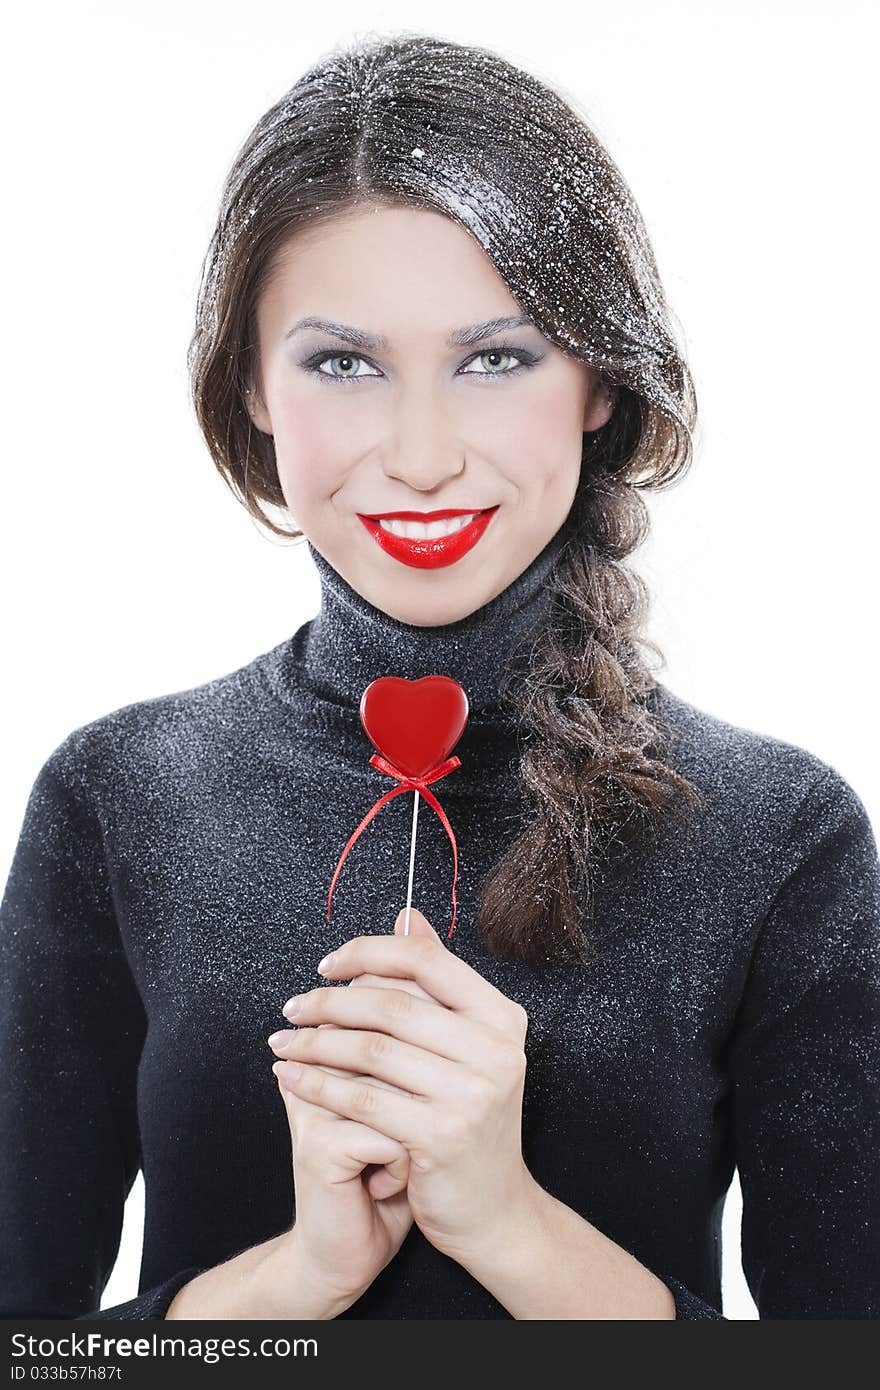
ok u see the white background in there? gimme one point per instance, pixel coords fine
(747, 132)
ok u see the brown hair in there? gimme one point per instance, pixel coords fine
(415, 120)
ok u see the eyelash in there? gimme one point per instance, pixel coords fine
(528, 359)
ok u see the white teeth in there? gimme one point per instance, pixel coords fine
(426, 530)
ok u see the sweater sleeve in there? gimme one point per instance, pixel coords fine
(804, 1063)
(805, 1070)
(72, 1025)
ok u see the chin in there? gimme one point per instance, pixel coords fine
(423, 613)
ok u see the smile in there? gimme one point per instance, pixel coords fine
(428, 540)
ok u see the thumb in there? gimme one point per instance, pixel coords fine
(389, 1179)
(418, 924)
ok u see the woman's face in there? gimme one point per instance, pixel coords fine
(416, 423)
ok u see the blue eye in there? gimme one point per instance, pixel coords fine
(523, 356)
(313, 366)
(527, 360)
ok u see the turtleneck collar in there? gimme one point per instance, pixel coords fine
(350, 642)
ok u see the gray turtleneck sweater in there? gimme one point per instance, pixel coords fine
(168, 893)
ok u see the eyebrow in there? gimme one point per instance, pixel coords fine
(474, 333)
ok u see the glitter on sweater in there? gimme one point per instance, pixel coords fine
(168, 894)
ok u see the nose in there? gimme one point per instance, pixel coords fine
(420, 452)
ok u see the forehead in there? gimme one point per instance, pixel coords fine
(378, 266)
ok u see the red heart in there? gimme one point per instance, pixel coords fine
(414, 724)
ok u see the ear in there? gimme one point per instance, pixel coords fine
(418, 924)
(599, 406)
(257, 411)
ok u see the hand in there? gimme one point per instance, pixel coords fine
(352, 1211)
(460, 1055)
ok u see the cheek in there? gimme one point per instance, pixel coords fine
(310, 452)
(544, 439)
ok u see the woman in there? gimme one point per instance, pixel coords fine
(429, 291)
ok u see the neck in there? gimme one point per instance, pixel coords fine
(351, 643)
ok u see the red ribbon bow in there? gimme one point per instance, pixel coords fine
(407, 783)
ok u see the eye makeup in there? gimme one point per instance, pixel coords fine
(525, 359)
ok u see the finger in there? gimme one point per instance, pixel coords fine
(395, 1116)
(379, 982)
(389, 1180)
(366, 1148)
(367, 1145)
(376, 1055)
(354, 1145)
(295, 1105)
(447, 978)
(419, 1022)
(377, 979)
(342, 1071)
(383, 982)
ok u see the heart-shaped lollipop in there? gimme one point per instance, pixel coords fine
(413, 725)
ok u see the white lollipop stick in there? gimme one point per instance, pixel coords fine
(412, 860)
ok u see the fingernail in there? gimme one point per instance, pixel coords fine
(292, 1006)
(326, 964)
(287, 1071)
(276, 1039)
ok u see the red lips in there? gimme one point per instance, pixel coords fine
(429, 552)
